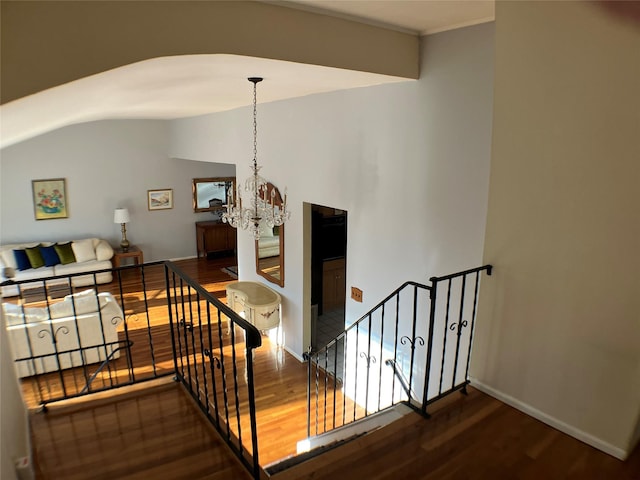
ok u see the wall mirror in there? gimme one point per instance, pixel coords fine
(211, 194)
(270, 247)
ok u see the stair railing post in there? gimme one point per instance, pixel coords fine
(307, 357)
(432, 318)
(171, 319)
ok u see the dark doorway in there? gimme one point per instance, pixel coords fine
(328, 273)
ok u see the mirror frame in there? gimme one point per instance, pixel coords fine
(262, 273)
(198, 181)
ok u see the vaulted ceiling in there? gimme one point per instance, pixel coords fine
(343, 44)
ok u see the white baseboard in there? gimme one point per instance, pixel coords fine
(552, 421)
(297, 357)
(182, 258)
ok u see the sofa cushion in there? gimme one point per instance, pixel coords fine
(49, 255)
(32, 274)
(22, 260)
(265, 230)
(65, 252)
(8, 258)
(82, 303)
(35, 257)
(89, 292)
(83, 267)
(14, 315)
(83, 250)
(104, 251)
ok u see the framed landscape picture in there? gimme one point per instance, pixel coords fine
(160, 199)
(50, 198)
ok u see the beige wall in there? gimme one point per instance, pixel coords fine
(559, 322)
(47, 43)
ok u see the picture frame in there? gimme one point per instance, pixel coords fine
(50, 199)
(160, 199)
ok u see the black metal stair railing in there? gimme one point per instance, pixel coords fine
(77, 355)
(413, 347)
(213, 355)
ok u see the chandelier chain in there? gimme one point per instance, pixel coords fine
(255, 126)
(264, 209)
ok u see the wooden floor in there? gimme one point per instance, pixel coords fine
(273, 407)
(160, 434)
(473, 437)
(155, 434)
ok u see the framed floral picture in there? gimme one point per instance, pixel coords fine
(160, 199)
(50, 198)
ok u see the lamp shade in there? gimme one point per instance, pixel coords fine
(121, 215)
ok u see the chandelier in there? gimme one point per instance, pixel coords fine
(259, 200)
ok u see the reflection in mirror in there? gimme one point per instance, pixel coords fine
(270, 247)
(211, 194)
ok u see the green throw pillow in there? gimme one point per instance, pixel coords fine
(35, 257)
(65, 252)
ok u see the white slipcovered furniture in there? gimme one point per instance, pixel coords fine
(83, 325)
(90, 254)
(268, 243)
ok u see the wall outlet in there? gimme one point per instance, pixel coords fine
(356, 294)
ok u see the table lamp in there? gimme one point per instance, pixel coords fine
(121, 216)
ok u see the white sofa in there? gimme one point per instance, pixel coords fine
(83, 321)
(268, 243)
(91, 254)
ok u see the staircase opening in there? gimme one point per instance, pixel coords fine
(413, 348)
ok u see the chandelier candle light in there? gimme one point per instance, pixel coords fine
(262, 208)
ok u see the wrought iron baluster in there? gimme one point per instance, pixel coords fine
(149, 333)
(132, 376)
(252, 411)
(78, 337)
(235, 386)
(444, 336)
(184, 324)
(225, 394)
(395, 345)
(413, 334)
(205, 380)
(326, 366)
(335, 379)
(473, 320)
(381, 354)
(433, 292)
(355, 382)
(461, 325)
(345, 359)
(317, 363)
(308, 357)
(412, 342)
(366, 395)
(170, 282)
(194, 350)
(214, 386)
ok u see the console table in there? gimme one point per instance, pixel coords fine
(214, 237)
(260, 304)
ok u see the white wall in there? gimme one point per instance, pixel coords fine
(409, 162)
(558, 331)
(14, 426)
(107, 164)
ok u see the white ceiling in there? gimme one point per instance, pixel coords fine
(175, 87)
(416, 16)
